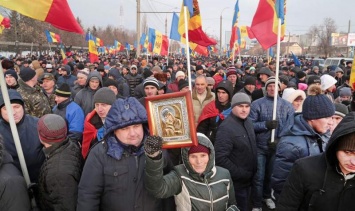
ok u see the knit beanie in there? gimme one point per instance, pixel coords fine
(151, 81)
(27, 74)
(110, 82)
(346, 143)
(104, 95)
(271, 80)
(317, 105)
(313, 79)
(341, 109)
(210, 80)
(231, 72)
(198, 148)
(240, 98)
(11, 72)
(345, 92)
(250, 81)
(52, 128)
(147, 73)
(266, 71)
(300, 74)
(182, 84)
(63, 90)
(179, 73)
(327, 81)
(156, 69)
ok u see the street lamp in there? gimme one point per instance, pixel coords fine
(220, 31)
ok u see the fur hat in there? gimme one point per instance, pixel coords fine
(317, 105)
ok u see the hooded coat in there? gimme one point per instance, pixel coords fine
(13, 188)
(113, 175)
(298, 142)
(211, 190)
(316, 183)
(85, 97)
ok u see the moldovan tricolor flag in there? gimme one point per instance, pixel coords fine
(352, 75)
(235, 30)
(265, 22)
(52, 37)
(194, 22)
(93, 54)
(55, 12)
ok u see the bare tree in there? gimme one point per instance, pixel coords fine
(144, 23)
(322, 34)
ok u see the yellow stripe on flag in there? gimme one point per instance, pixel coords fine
(158, 42)
(352, 75)
(92, 47)
(38, 9)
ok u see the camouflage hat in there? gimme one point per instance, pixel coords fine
(48, 76)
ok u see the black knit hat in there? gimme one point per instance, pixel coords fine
(111, 82)
(182, 83)
(147, 73)
(104, 95)
(12, 73)
(27, 74)
(63, 90)
(300, 74)
(250, 81)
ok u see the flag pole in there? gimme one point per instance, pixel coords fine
(14, 132)
(187, 48)
(167, 58)
(233, 53)
(240, 57)
(276, 94)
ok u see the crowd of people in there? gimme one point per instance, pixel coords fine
(85, 137)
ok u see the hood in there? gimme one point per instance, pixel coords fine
(210, 169)
(115, 73)
(123, 113)
(94, 74)
(346, 126)
(226, 86)
(299, 128)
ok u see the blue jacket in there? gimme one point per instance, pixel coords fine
(261, 111)
(74, 116)
(31, 146)
(299, 142)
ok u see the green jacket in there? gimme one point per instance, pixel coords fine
(213, 190)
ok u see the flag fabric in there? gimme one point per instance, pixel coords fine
(99, 42)
(202, 50)
(296, 60)
(93, 54)
(142, 40)
(271, 52)
(235, 36)
(174, 30)
(158, 43)
(246, 32)
(352, 75)
(196, 34)
(4, 23)
(146, 43)
(265, 22)
(151, 39)
(52, 37)
(62, 52)
(55, 12)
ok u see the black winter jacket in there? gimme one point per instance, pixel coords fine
(235, 148)
(316, 183)
(13, 188)
(59, 176)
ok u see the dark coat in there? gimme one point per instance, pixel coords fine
(235, 141)
(316, 183)
(31, 146)
(59, 176)
(13, 188)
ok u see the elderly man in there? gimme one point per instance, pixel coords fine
(201, 96)
(113, 175)
(48, 88)
(36, 103)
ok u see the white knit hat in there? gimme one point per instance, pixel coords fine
(327, 81)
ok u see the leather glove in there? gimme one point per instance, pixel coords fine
(153, 145)
(272, 124)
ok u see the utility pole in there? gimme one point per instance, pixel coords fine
(347, 52)
(166, 25)
(138, 50)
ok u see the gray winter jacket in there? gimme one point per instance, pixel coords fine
(212, 190)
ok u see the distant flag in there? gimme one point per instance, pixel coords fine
(146, 43)
(55, 12)
(151, 39)
(183, 51)
(99, 42)
(174, 31)
(245, 32)
(271, 52)
(265, 22)
(62, 52)
(4, 23)
(296, 60)
(352, 75)
(235, 36)
(93, 54)
(142, 40)
(196, 34)
(52, 37)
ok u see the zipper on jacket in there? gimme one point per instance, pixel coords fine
(210, 192)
